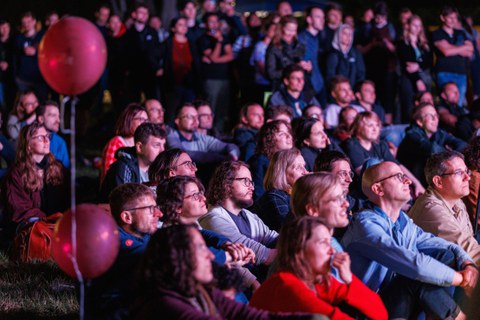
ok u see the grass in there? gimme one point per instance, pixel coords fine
(37, 290)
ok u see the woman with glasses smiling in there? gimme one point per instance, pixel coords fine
(171, 163)
(34, 187)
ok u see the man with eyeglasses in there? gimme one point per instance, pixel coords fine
(424, 138)
(134, 162)
(230, 192)
(203, 149)
(440, 210)
(409, 268)
(134, 208)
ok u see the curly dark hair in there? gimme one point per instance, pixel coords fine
(266, 141)
(169, 262)
(220, 186)
(159, 170)
(170, 195)
(472, 154)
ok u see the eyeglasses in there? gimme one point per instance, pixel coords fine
(190, 164)
(189, 117)
(196, 196)
(207, 115)
(400, 176)
(232, 3)
(246, 181)
(430, 116)
(43, 138)
(338, 199)
(316, 115)
(141, 119)
(344, 174)
(458, 173)
(151, 209)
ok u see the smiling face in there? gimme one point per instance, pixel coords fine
(342, 169)
(283, 138)
(254, 117)
(318, 250)
(295, 170)
(428, 120)
(332, 208)
(289, 32)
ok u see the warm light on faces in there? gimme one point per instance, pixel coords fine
(318, 138)
(455, 181)
(296, 170)
(428, 119)
(333, 208)
(194, 203)
(342, 169)
(318, 251)
(183, 166)
(40, 142)
(369, 129)
(283, 138)
(289, 32)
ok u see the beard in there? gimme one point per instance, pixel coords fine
(242, 202)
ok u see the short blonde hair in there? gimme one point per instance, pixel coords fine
(360, 120)
(276, 175)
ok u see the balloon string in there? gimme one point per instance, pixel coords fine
(73, 256)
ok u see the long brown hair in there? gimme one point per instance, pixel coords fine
(30, 174)
(277, 38)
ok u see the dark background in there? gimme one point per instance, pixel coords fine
(427, 9)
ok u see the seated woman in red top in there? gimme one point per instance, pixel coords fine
(304, 284)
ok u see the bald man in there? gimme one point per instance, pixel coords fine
(391, 254)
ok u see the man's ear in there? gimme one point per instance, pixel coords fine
(126, 217)
(437, 182)
(286, 82)
(138, 147)
(244, 120)
(311, 210)
(419, 122)
(358, 96)
(40, 119)
(377, 189)
(177, 120)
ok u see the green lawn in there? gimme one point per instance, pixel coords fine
(35, 290)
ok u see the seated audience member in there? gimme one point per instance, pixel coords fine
(35, 185)
(344, 59)
(346, 117)
(339, 164)
(424, 138)
(156, 113)
(22, 114)
(134, 162)
(245, 134)
(230, 192)
(311, 140)
(128, 121)
(7, 152)
(273, 136)
(171, 163)
(409, 268)
(303, 282)
(174, 280)
(366, 98)
(136, 213)
(440, 210)
(284, 113)
(205, 119)
(183, 201)
(284, 169)
(292, 91)
(49, 114)
(342, 95)
(323, 196)
(453, 117)
(365, 144)
(313, 111)
(423, 97)
(202, 148)
(472, 160)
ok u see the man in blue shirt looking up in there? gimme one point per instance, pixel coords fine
(409, 268)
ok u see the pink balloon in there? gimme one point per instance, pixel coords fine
(72, 55)
(97, 241)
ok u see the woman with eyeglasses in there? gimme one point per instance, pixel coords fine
(284, 169)
(128, 121)
(170, 163)
(182, 200)
(303, 282)
(35, 185)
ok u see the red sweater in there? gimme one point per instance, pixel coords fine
(284, 292)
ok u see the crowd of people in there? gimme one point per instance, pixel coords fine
(347, 188)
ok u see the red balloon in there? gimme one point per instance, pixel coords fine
(72, 55)
(97, 241)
